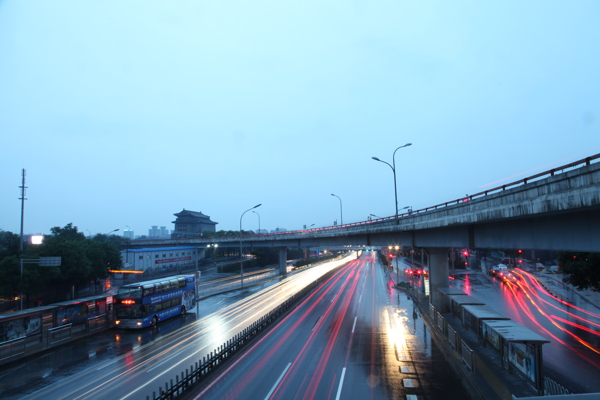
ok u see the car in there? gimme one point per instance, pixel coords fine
(539, 266)
(493, 271)
(502, 267)
(554, 269)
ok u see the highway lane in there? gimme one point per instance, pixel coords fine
(133, 364)
(572, 357)
(355, 337)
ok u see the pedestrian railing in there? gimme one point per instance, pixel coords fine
(452, 336)
(96, 323)
(440, 322)
(12, 348)
(60, 334)
(467, 354)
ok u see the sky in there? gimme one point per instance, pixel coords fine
(124, 113)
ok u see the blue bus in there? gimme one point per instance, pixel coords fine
(144, 304)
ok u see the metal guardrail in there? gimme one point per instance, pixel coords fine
(551, 388)
(60, 334)
(96, 323)
(432, 311)
(440, 322)
(202, 368)
(467, 354)
(452, 336)
(12, 348)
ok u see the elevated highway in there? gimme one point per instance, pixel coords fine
(556, 210)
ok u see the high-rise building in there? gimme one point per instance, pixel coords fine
(154, 232)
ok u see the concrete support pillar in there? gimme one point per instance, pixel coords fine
(283, 260)
(438, 277)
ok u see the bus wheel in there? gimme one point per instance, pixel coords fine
(183, 309)
(154, 320)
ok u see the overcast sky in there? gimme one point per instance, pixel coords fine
(126, 112)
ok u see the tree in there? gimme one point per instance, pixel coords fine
(10, 276)
(582, 269)
(9, 244)
(103, 257)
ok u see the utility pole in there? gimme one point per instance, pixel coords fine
(22, 198)
(23, 187)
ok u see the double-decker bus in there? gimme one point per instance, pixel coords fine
(147, 303)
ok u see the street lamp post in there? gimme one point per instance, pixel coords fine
(114, 230)
(241, 258)
(258, 221)
(397, 267)
(196, 283)
(341, 214)
(394, 171)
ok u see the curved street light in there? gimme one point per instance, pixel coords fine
(341, 215)
(241, 257)
(258, 220)
(394, 171)
(114, 230)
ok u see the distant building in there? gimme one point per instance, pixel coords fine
(128, 234)
(156, 232)
(154, 260)
(191, 224)
(164, 232)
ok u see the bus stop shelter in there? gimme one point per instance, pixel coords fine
(473, 315)
(457, 302)
(449, 291)
(520, 348)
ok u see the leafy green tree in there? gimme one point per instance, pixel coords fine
(69, 244)
(103, 257)
(582, 269)
(9, 244)
(116, 240)
(10, 276)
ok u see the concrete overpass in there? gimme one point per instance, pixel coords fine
(556, 210)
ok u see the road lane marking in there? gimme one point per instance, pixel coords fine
(167, 360)
(339, 392)
(405, 369)
(278, 380)
(317, 323)
(107, 364)
(354, 325)
(408, 383)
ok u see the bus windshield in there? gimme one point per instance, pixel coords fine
(134, 293)
(135, 311)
